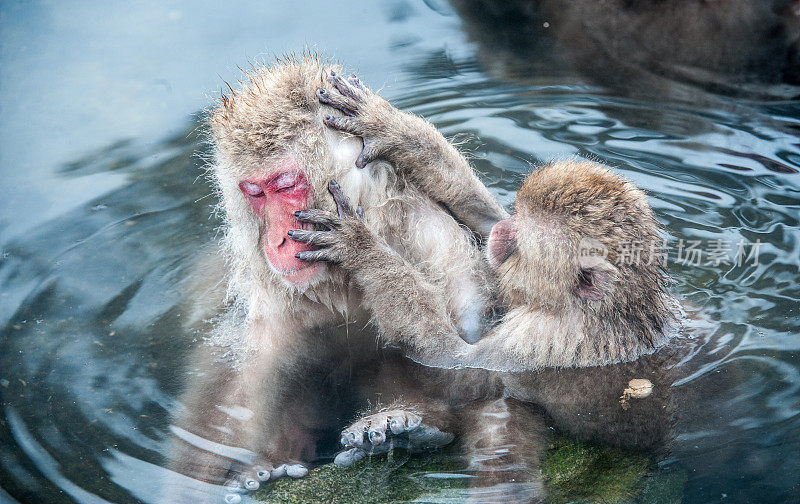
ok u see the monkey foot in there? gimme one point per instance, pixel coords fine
(383, 431)
(251, 480)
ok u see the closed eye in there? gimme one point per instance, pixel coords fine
(250, 189)
(286, 189)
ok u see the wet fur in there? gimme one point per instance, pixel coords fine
(567, 357)
(295, 362)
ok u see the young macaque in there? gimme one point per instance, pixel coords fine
(575, 265)
(290, 351)
(583, 340)
(586, 315)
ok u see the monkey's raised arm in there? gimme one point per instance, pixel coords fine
(410, 311)
(415, 148)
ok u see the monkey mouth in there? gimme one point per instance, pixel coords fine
(302, 274)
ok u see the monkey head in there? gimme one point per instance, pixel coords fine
(274, 157)
(584, 242)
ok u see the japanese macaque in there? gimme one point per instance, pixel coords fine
(582, 341)
(290, 353)
(676, 50)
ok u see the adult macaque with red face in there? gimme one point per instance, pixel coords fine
(290, 355)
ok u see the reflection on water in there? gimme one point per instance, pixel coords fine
(92, 345)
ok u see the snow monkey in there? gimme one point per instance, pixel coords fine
(582, 341)
(290, 352)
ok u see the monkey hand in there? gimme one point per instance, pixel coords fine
(251, 479)
(345, 235)
(384, 128)
(386, 430)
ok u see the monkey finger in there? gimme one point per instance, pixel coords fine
(320, 217)
(321, 255)
(318, 238)
(342, 103)
(369, 153)
(346, 124)
(349, 457)
(342, 86)
(342, 201)
(355, 82)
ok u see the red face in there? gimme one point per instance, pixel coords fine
(502, 241)
(275, 198)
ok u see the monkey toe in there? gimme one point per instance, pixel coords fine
(262, 473)
(349, 457)
(290, 470)
(296, 470)
(232, 498)
(377, 435)
(372, 429)
(354, 436)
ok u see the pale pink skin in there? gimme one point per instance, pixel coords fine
(502, 241)
(275, 197)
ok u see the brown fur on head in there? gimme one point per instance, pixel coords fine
(581, 243)
(270, 113)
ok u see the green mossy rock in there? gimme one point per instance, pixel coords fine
(396, 477)
(572, 471)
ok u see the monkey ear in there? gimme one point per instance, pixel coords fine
(595, 282)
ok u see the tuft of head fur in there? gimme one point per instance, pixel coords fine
(617, 298)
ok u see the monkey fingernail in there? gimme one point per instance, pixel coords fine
(250, 484)
(290, 233)
(262, 475)
(395, 426)
(233, 499)
(376, 437)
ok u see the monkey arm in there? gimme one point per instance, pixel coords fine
(415, 148)
(409, 310)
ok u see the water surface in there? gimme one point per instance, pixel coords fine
(103, 206)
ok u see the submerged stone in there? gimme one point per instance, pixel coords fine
(572, 472)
